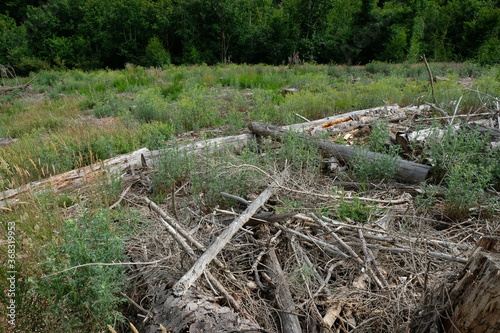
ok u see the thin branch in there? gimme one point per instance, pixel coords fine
(124, 193)
(154, 262)
(431, 79)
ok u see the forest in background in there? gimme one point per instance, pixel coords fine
(91, 34)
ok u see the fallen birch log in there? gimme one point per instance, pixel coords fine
(187, 280)
(409, 172)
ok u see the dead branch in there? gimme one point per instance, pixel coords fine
(288, 318)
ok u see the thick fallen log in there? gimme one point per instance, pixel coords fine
(76, 179)
(79, 178)
(197, 314)
(409, 172)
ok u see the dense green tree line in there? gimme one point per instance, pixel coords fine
(88, 34)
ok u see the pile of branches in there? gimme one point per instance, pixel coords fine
(257, 268)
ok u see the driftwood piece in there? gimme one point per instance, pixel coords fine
(287, 312)
(407, 171)
(199, 266)
(474, 304)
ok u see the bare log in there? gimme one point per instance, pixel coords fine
(474, 304)
(199, 266)
(76, 179)
(197, 314)
(349, 120)
(407, 171)
(233, 142)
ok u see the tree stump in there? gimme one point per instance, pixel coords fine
(474, 304)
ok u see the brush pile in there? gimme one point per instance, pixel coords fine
(301, 254)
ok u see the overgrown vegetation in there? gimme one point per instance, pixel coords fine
(77, 118)
(67, 119)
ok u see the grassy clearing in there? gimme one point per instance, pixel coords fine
(76, 117)
(70, 119)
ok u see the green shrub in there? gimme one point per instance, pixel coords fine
(150, 106)
(448, 147)
(381, 167)
(465, 184)
(375, 67)
(172, 166)
(155, 134)
(84, 299)
(353, 210)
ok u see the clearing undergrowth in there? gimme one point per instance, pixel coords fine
(338, 245)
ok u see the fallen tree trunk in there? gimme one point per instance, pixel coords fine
(79, 178)
(76, 179)
(196, 314)
(409, 172)
(355, 118)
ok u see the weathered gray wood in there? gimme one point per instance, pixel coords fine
(76, 179)
(196, 314)
(409, 172)
(474, 304)
(187, 280)
(284, 301)
(329, 123)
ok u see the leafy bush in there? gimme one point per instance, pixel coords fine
(449, 147)
(353, 211)
(155, 134)
(375, 67)
(84, 299)
(382, 167)
(465, 184)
